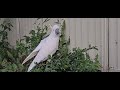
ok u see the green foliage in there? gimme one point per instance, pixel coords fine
(64, 60)
(4, 45)
(73, 62)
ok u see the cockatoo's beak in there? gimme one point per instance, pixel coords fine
(57, 31)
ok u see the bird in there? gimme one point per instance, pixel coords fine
(47, 46)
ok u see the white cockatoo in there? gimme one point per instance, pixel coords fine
(47, 46)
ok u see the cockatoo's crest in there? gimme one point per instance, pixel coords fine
(54, 27)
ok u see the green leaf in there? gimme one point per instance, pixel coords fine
(32, 32)
(47, 19)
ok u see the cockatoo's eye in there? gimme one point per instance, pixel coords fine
(57, 31)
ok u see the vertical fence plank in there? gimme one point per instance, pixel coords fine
(84, 33)
(72, 33)
(78, 32)
(91, 35)
(112, 43)
(118, 42)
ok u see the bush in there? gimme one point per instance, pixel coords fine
(4, 45)
(64, 60)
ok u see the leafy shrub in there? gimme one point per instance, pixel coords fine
(63, 60)
(5, 27)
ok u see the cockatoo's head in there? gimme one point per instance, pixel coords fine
(55, 30)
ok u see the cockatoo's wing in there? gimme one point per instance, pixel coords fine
(35, 51)
(48, 48)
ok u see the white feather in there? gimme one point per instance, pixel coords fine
(35, 51)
